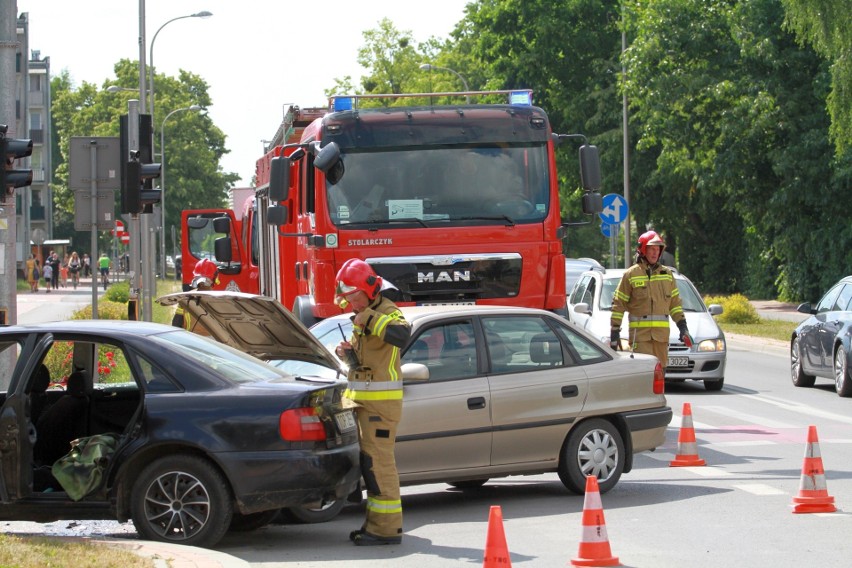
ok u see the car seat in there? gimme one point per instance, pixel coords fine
(38, 392)
(499, 353)
(545, 349)
(62, 422)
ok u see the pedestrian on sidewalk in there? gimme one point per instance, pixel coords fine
(48, 276)
(87, 266)
(32, 273)
(63, 272)
(54, 262)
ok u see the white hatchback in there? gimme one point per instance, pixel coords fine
(590, 307)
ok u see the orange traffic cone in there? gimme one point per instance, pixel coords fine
(496, 549)
(813, 494)
(594, 548)
(687, 449)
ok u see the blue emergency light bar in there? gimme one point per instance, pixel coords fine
(343, 103)
(523, 98)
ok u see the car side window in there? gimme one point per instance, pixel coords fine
(579, 290)
(828, 301)
(608, 291)
(154, 378)
(448, 350)
(583, 350)
(521, 343)
(843, 299)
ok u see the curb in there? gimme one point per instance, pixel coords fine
(759, 344)
(166, 555)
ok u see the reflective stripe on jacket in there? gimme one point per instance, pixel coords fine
(377, 344)
(650, 295)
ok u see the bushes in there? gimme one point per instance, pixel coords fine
(736, 309)
(106, 310)
(118, 292)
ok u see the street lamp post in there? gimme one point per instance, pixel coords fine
(429, 67)
(204, 14)
(163, 183)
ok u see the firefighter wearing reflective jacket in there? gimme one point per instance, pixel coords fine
(375, 392)
(649, 294)
(204, 276)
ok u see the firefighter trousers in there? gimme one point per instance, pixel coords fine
(659, 349)
(377, 424)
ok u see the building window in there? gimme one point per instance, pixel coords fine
(35, 83)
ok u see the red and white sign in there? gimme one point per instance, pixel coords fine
(119, 229)
(125, 238)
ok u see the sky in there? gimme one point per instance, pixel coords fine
(257, 56)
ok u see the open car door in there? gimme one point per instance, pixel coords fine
(17, 432)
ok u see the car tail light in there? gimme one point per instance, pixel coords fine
(659, 380)
(301, 425)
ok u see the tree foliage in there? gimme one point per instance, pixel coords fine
(823, 24)
(730, 152)
(194, 145)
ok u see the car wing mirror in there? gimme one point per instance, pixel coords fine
(582, 308)
(415, 372)
(715, 309)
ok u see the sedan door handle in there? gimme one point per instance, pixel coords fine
(476, 403)
(570, 391)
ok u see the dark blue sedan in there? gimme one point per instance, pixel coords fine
(820, 346)
(203, 438)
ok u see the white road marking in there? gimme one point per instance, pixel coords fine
(759, 489)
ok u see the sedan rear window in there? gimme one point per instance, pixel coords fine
(232, 364)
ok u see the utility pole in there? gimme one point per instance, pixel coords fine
(8, 225)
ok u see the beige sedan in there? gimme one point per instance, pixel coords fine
(498, 391)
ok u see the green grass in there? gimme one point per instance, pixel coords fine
(769, 328)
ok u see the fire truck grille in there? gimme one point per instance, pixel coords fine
(466, 280)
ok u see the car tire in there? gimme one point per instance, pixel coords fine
(169, 488)
(594, 447)
(714, 386)
(800, 379)
(468, 484)
(251, 521)
(312, 515)
(842, 380)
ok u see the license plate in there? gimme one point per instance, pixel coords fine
(446, 303)
(345, 421)
(678, 361)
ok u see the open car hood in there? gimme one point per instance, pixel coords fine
(257, 325)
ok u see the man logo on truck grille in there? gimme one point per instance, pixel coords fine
(444, 276)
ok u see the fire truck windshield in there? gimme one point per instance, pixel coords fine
(427, 186)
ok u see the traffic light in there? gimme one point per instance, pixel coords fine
(150, 169)
(138, 170)
(13, 149)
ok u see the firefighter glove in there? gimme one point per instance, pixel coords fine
(684, 333)
(615, 339)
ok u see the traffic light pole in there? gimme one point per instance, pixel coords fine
(135, 232)
(93, 154)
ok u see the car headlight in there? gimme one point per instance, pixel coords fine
(711, 345)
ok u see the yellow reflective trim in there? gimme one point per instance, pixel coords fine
(621, 295)
(638, 281)
(393, 506)
(676, 310)
(373, 395)
(675, 292)
(661, 278)
(649, 323)
(380, 325)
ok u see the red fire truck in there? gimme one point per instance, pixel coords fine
(451, 204)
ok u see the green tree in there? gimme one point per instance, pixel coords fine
(823, 24)
(194, 144)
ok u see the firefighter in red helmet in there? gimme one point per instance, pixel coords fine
(648, 292)
(204, 276)
(374, 390)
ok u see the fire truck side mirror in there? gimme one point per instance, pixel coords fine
(222, 225)
(196, 222)
(279, 178)
(590, 167)
(277, 215)
(592, 203)
(328, 162)
(222, 249)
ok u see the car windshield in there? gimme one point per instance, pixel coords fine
(689, 296)
(424, 186)
(232, 364)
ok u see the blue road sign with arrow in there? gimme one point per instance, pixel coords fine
(614, 209)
